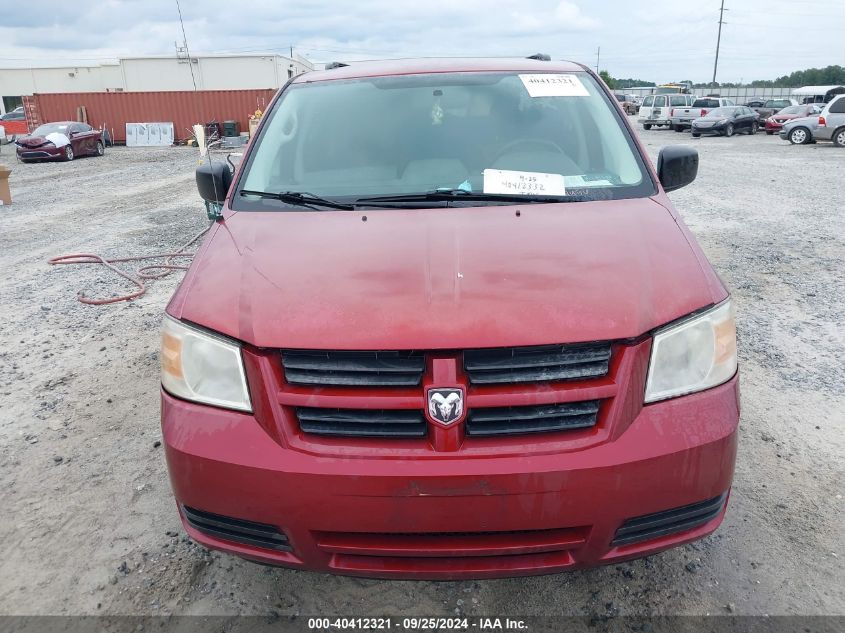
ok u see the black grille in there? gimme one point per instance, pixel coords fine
(537, 364)
(669, 521)
(362, 422)
(542, 419)
(359, 369)
(236, 530)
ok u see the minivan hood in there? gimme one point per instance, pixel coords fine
(447, 278)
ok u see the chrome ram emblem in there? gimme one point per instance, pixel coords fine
(445, 405)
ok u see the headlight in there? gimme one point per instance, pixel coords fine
(693, 355)
(202, 367)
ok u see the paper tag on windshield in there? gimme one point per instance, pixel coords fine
(551, 85)
(527, 183)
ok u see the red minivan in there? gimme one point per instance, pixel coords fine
(448, 324)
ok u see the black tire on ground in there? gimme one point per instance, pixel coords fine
(101, 148)
(800, 136)
(769, 132)
(729, 129)
(754, 127)
(839, 137)
(696, 134)
(677, 128)
(68, 152)
(646, 126)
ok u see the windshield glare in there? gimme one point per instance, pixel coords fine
(721, 112)
(409, 134)
(49, 128)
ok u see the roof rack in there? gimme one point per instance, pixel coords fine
(333, 65)
(540, 57)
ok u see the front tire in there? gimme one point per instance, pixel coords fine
(754, 128)
(729, 130)
(800, 136)
(839, 137)
(101, 148)
(646, 126)
(769, 132)
(68, 152)
(696, 134)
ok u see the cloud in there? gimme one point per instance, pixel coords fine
(661, 40)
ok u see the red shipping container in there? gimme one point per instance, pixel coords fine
(115, 109)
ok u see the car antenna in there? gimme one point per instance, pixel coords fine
(540, 57)
(333, 65)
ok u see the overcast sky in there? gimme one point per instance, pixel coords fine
(658, 40)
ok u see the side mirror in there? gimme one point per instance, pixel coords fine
(213, 180)
(677, 166)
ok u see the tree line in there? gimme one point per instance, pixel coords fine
(830, 75)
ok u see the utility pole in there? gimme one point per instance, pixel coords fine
(718, 40)
(598, 57)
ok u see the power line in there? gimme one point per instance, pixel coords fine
(187, 50)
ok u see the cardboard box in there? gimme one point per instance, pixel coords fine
(5, 193)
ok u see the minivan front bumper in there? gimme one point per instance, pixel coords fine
(451, 516)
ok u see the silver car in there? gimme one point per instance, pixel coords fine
(800, 131)
(831, 123)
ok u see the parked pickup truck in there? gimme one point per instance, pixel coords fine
(772, 106)
(681, 119)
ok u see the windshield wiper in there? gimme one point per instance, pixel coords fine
(462, 194)
(299, 198)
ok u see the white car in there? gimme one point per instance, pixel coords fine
(656, 109)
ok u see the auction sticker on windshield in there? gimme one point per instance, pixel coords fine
(526, 183)
(554, 85)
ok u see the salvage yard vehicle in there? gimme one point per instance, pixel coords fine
(63, 140)
(831, 125)
(15, 115)
(656, 109)
(628, 103)
(681, 118)
(800, 131)
(726, 122)
(448, 324)
(773, 106)
(775, 122)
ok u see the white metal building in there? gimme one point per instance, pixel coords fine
(145, 74)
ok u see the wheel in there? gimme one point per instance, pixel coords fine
(800, 136)
(68, 152)
(769, 132)
(646, 126)
(754, 128)
(677, 128)
(101, 149)
(696, 134)
(729, 129)
(839, 137)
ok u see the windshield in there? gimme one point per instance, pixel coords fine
(721, 112)
(50, 128)
(473, 132)
(706, 103)
(794, 110)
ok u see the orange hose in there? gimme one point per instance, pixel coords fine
(142, 274)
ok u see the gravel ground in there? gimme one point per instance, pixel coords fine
(89, 525)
